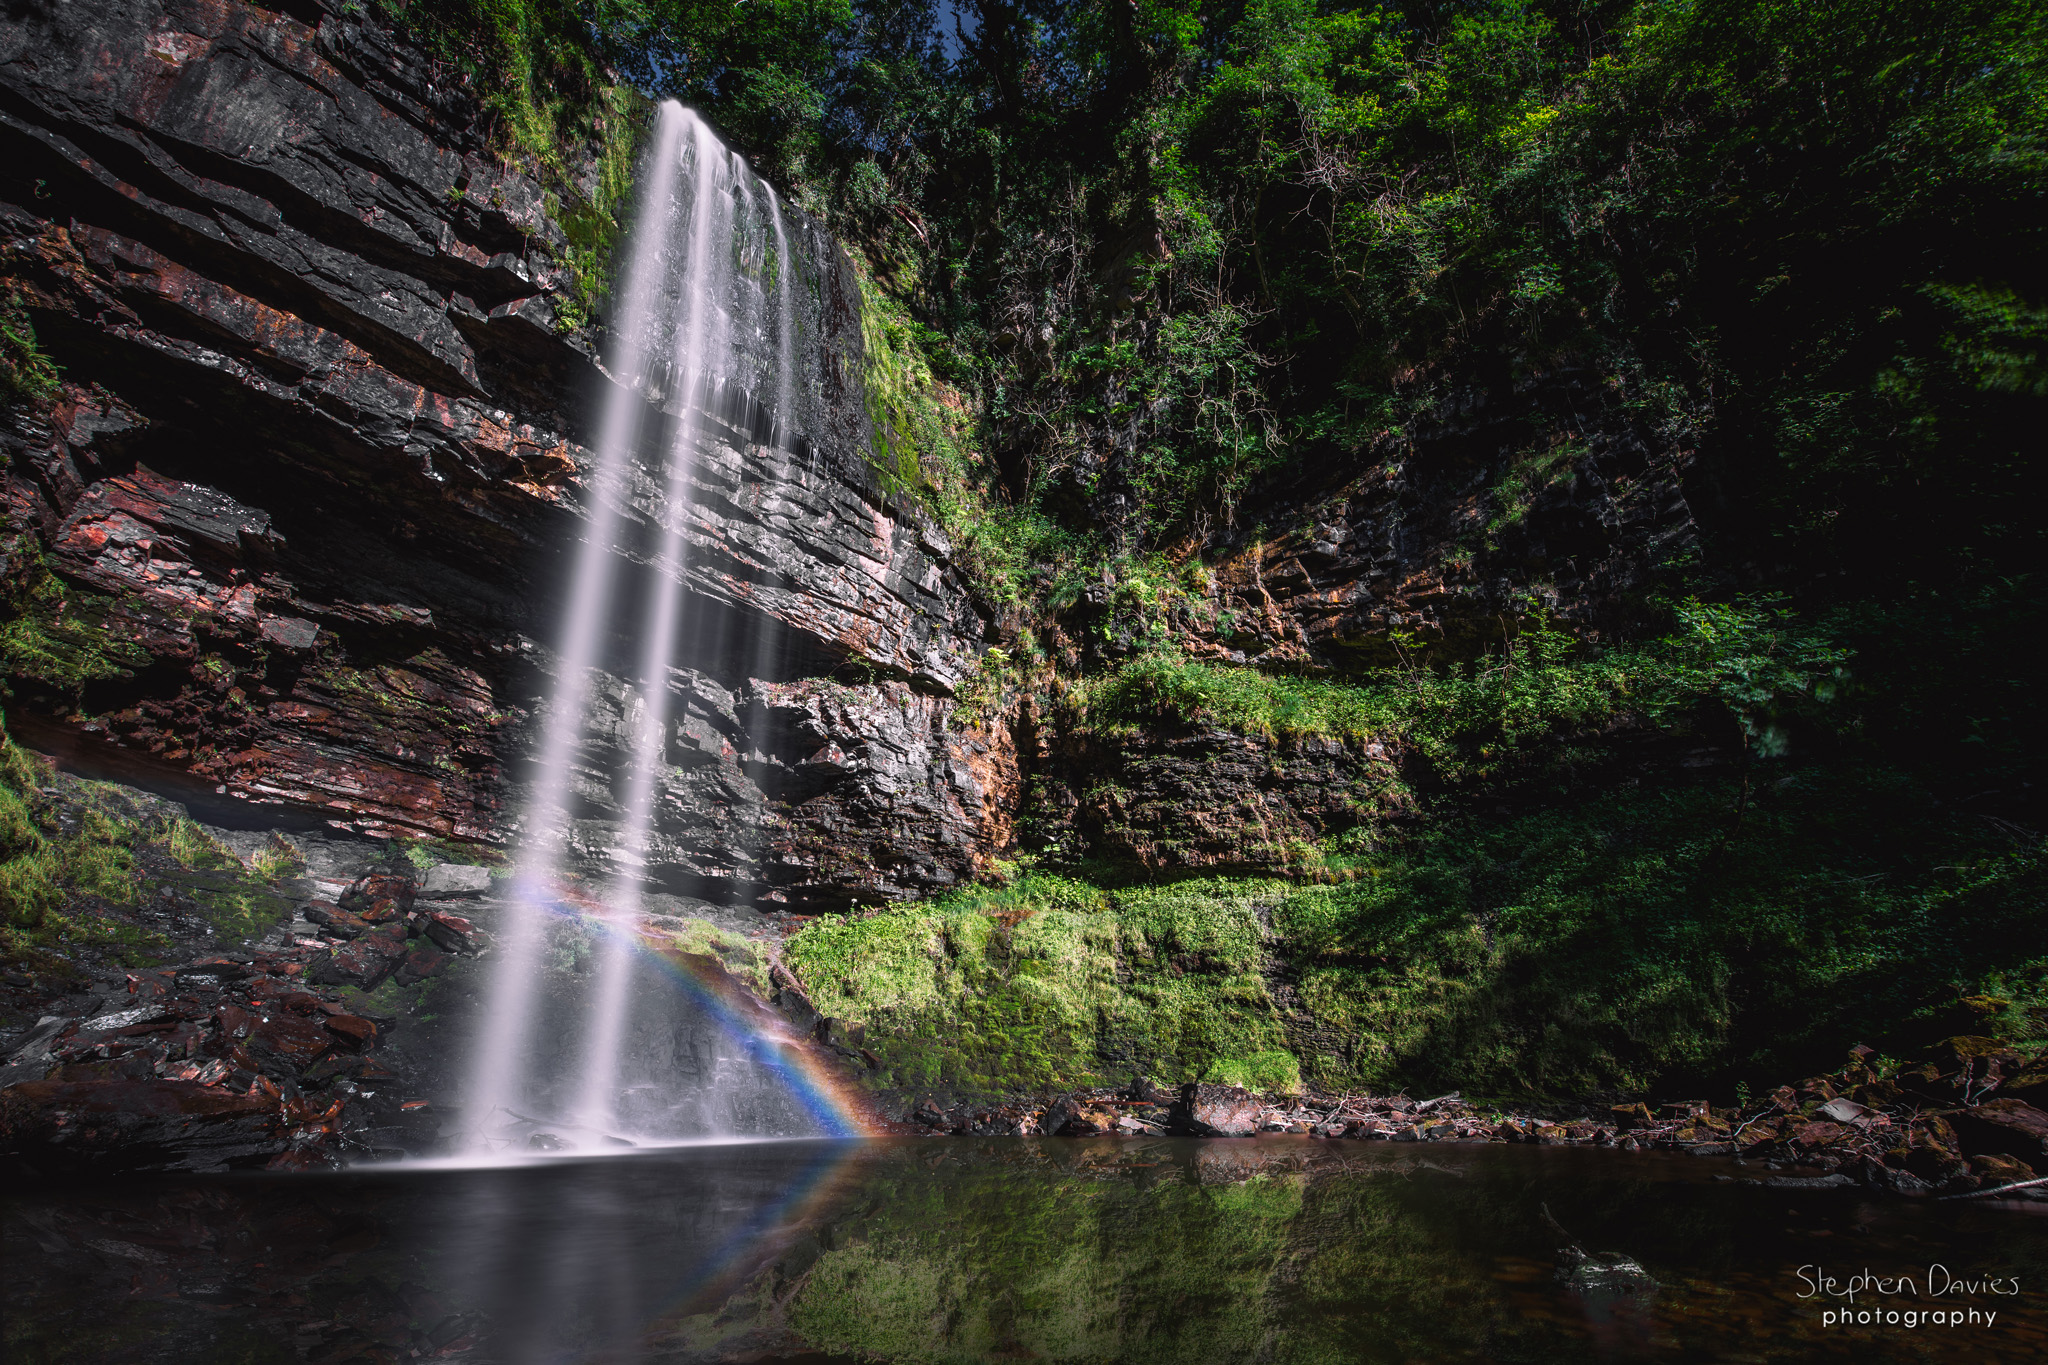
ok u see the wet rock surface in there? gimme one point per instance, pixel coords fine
(277, 1057)
(1200, 797)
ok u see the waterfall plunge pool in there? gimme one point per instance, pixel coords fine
(959, 1250)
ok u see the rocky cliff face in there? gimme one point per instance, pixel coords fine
(298, 520)
(298, 523)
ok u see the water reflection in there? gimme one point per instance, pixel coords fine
(1166, 1251)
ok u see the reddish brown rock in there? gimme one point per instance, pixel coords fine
(294, 1042)
(334, 921)
(378, 896)
(420, 964)
(363, 963)
(355, 1031)
(452, 932)
(1217, 1111)
(1814, 1136)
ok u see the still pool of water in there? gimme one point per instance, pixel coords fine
(1059, 1250)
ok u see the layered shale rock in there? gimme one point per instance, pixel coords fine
(298, 522)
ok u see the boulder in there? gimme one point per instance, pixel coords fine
(1217, 1111)
(334, 921)
(455, 881)
(2002, 1127)
(351, 1029)
(288, 1043)
(363, 963)
(419, 964)
(1627, 1116)
(368, 891)
(2002, 1170)
(453, 932)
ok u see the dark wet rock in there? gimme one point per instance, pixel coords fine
(1074, 1116)
(352, 1030)
(1603, 1274)
(1626, 1116)
(363, 963)
(420, 964)
(2000, 1169)
(1833, 1181)
(452, 933)
(1883, 1177)
(297, 1043)
(334, 921)
(2005, 1127)
(136, 1125)
(376, 896)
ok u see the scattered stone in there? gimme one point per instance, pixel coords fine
(335, 921)
(419, 964)
(1836, 1181)
(367, 892)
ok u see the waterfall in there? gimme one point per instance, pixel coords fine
(704, 329)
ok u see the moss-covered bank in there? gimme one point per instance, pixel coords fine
(1639, 939)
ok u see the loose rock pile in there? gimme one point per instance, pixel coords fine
(1931, 1127)
(240, 1059)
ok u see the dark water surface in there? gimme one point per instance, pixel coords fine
(1015, 1250)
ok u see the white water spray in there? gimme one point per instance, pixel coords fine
(688, 307)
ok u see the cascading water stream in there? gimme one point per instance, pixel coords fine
(701, 328)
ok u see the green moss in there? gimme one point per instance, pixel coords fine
(1633, 940)
(57, 633)
(26, 374)
(1271, 1072)
(1051, 983)
(75, 855)
(740, 955)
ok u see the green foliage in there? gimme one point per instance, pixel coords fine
(26, 374)
(1750, 656)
